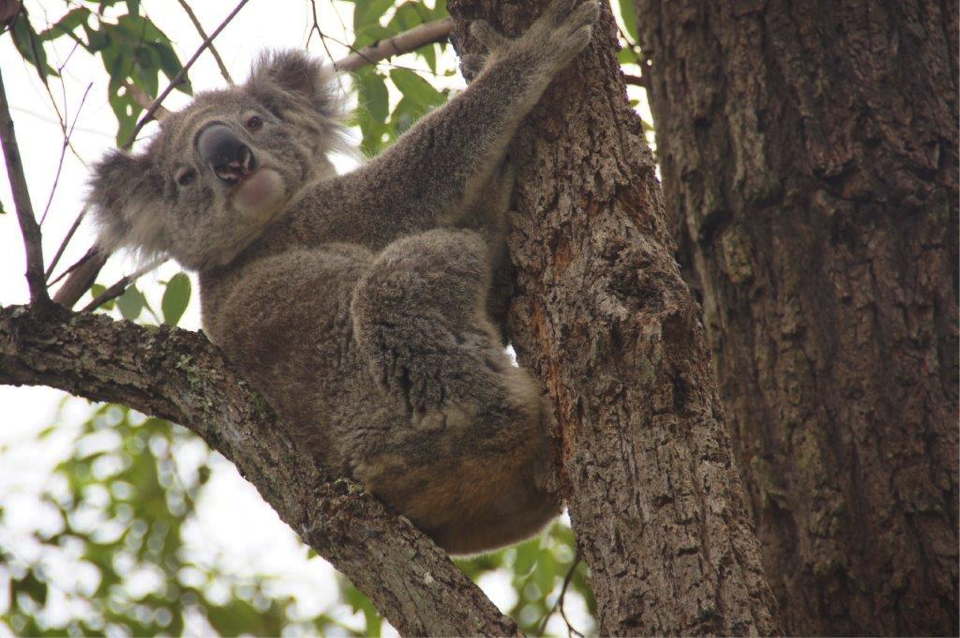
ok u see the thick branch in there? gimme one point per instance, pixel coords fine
(178, 375)
(21, 201)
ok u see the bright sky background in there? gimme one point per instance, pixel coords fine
(233, 523)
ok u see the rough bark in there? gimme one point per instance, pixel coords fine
(809, 160)
(180, 376)
(606, 322)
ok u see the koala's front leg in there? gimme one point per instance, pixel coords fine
(440, 168)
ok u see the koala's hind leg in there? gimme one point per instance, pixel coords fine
(473, 468)
(420, 322)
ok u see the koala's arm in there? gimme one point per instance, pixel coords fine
(438, 170)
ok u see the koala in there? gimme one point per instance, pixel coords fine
(358, 304)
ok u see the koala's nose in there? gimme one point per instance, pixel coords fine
(230, 159)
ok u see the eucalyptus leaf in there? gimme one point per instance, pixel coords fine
(373, 95)
(415, 88)
(131, 303)
(176, 297)
(27, 42)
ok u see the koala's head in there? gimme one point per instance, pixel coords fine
(223, 168)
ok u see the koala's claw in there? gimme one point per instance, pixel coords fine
(560, 11)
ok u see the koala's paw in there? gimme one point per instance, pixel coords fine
(557, 36)
(564, 29)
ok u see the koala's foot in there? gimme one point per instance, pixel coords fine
(420, 322)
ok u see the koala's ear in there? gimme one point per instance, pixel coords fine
(126, 195)
(284, 80)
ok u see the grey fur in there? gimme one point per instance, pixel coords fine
(360, 305)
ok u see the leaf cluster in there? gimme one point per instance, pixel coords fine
(132, 48)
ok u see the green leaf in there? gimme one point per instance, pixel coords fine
(359, 602)
(527, 554)
(97, 39)
(235, 618)
(131, 303)
(175, 298)
(30, 46)
(368, 12)
(67, 24)
(32, 586)
(629, 18)
(406, 17)
(546, 571)
(627, 55)
(374, 96)
(170, 65)
(415, 88)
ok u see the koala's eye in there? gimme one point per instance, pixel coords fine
(254, 123)
(186, 176)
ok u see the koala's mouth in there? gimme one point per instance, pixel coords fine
(234, 172)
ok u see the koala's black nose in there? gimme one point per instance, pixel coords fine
(225, 152)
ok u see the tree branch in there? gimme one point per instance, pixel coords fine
(203, 34)
(179, 375)
(21, 201)
(408, 41)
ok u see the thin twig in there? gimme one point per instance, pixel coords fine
(63, 154)
(142, 98)
(63, 247)
(405, 42)
(203, 35)
(120, 287)
(559, 603)
(178, 78)
(316, 27)
(82, 275)
(21, 199)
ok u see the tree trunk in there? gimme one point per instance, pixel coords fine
(809, 160)
(606, 322)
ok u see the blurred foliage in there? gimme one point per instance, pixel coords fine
(111, 558)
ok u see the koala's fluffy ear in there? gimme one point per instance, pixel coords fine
(126, 194)
(285, 80)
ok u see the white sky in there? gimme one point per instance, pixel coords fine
(233, 522)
